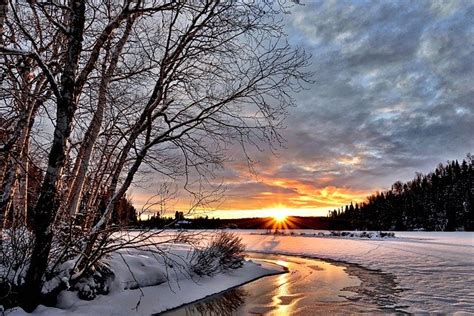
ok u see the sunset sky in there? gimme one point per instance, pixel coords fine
(393, 95)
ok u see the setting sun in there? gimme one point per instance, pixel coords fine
(281, 219)
(280, 216)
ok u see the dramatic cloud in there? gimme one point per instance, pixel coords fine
(394, 94)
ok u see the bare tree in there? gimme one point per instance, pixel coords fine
(155, 85)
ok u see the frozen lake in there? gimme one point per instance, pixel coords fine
(310, 286)
(434, 271)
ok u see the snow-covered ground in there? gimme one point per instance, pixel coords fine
(163, 285)
(434, 269)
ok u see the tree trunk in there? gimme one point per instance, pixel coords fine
(3, 202)
(3, 14)
(48, 204)
(20, 198)
(10, 180)
(7, 191)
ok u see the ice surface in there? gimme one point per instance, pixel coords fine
(434, 269)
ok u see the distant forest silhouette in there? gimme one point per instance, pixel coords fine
(442, 200)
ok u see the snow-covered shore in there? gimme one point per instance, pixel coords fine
(163, 285)
(435, 270)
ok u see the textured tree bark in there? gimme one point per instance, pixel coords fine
(3, 14)
(48, 204)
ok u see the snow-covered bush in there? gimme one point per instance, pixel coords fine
(15, 251)
(225, 251)
(97, 282)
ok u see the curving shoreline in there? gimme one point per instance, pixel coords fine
(306, 286)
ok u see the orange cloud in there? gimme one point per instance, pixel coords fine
(306, 190)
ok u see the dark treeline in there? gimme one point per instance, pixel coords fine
(442, 200)
(179, 220)
(156, 221)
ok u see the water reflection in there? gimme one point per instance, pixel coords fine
(284, 301)
(310, 287)
(222, 304)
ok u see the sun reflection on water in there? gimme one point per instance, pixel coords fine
(283, 291)
(285, 299)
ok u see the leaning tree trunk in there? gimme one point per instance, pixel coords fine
(20, 199)
(48, 203)
(85, 152)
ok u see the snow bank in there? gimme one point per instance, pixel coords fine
(164, 284)
(434, 270)
(138, 268)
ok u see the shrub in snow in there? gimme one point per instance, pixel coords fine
(97, 282)
(224, 252)
(15, 251)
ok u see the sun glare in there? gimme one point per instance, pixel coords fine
(279, 216)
